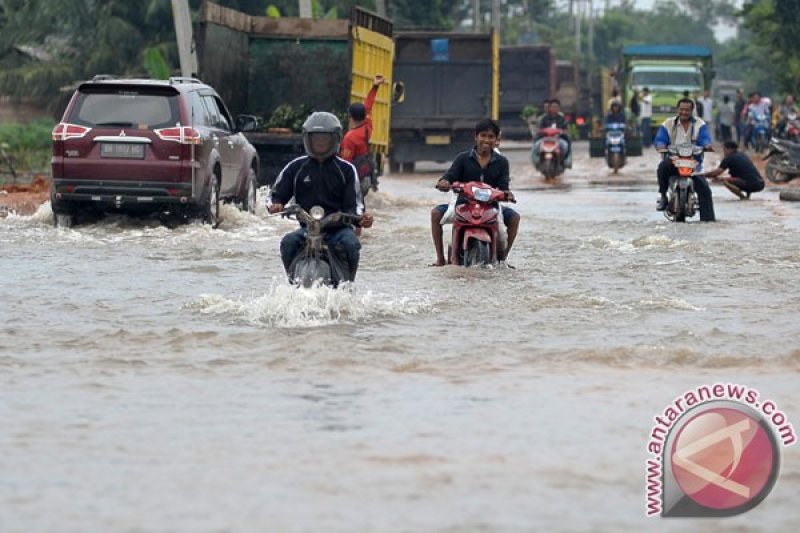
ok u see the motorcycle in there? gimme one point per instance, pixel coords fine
(760, 132)
(550, 160)
(783, 161)
(315, 262)
(367, 168)
(792, 128)
(478, 231)
(615, 146)
(682, 200)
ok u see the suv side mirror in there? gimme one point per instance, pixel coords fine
(245, 123)
(398, 92)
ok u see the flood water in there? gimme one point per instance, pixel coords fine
(156, 379)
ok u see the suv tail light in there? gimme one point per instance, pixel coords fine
(182, 135)
(64, 131)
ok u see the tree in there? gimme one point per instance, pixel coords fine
(775, 26)
(82, 38)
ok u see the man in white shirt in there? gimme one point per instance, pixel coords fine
(646, 114)
(707, 104)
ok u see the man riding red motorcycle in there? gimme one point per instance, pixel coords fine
(484, 164)
(553, 126)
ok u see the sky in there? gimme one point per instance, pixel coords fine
(721, 31)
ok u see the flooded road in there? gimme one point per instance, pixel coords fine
(156, 379)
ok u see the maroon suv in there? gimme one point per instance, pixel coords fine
(139, 145)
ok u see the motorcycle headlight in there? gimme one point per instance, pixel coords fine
(482, 195)
(317, 212)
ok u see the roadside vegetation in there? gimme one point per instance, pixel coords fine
(26, 148)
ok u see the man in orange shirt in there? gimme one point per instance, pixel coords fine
(355, 145)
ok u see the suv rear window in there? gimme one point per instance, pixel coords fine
(126, 107)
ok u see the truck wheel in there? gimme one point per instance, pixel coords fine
(408, 168)
(394, 168)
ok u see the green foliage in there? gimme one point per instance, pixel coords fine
(775, 28)
(28, 145)
(82, 38)
(155, 65)
(529, 111)
(288, 116)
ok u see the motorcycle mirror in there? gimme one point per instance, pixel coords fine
(398, 92)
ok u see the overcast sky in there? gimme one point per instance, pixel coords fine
(722, 31)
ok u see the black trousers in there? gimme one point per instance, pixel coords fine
(666, 170)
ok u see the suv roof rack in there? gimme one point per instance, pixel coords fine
(183, 79)
(103, 77)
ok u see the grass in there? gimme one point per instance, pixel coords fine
(27, 145)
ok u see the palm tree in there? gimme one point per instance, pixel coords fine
(75, 39)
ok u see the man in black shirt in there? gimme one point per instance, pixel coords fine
(744, 177)
(554, 119)
(481, 163)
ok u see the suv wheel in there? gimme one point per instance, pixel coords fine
(249, 202)
(63, 220)
(211, 207)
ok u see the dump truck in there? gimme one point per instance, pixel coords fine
(668, 71)
(285, 68)
(450, 81)
(575, 94)
(527, 78)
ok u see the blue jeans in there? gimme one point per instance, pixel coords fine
(343, 241)
(646, 132)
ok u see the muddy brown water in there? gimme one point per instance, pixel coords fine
(156, 379)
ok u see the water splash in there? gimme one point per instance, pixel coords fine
(285, 306)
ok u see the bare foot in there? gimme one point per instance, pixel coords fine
(438, 263)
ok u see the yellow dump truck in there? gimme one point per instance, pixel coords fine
(288, 67)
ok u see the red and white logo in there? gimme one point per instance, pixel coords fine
(715, 451)
(723, 458)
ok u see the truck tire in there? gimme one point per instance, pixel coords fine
(408, 168)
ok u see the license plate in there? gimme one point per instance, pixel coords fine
(122, 151)
(683, 163)
(437, 139)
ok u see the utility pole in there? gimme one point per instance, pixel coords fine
(496, 15)
(183, 33)
(591, 30)
(380, 7)
(578, 30)
(476, 15)
(305, 9)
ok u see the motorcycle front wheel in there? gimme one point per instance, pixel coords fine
(477, 253)
(683, 204)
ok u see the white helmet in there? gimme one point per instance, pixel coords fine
(323, 123)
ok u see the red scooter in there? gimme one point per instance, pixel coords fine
(550, 160)
(476, 234)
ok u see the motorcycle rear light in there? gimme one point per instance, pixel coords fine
(182, 135)
(64, 131)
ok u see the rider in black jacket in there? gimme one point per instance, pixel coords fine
(324, 179)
